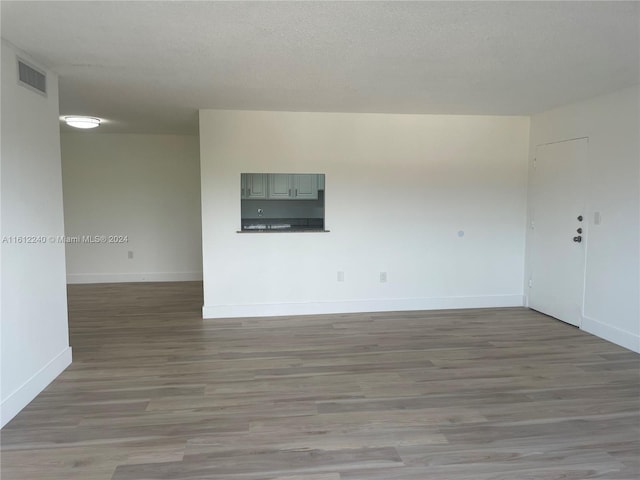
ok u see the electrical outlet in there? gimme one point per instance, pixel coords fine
(130, 254)
(383, 277)
(341, 276)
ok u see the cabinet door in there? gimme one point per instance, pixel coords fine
(305, 187)
(255, 186)
(280, 186)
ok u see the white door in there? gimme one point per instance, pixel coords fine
(558, 230)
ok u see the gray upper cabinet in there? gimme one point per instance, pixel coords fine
(305, 187)
(280, 186)
(254, 185)
(285, 186)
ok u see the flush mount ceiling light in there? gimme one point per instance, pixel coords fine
(82, 122)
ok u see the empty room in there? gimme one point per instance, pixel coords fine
(320, 240)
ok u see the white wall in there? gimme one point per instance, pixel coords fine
(145, 187)
(35, 346)
(399, 188)
(612, 282)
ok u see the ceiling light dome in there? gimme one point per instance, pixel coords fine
(82, 122)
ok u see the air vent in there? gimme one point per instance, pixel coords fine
(31, 77)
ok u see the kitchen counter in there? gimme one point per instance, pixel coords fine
(274, 225)
(287, 230)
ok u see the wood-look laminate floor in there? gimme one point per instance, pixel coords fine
(156, 393)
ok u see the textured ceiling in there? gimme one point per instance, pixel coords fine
(149, 66)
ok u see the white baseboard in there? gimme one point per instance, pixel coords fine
(21, 397)
(133, 277)
(613, 334)
(355, 306)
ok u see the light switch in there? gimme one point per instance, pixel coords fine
(597, 219)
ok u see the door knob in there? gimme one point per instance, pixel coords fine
(577, 239)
